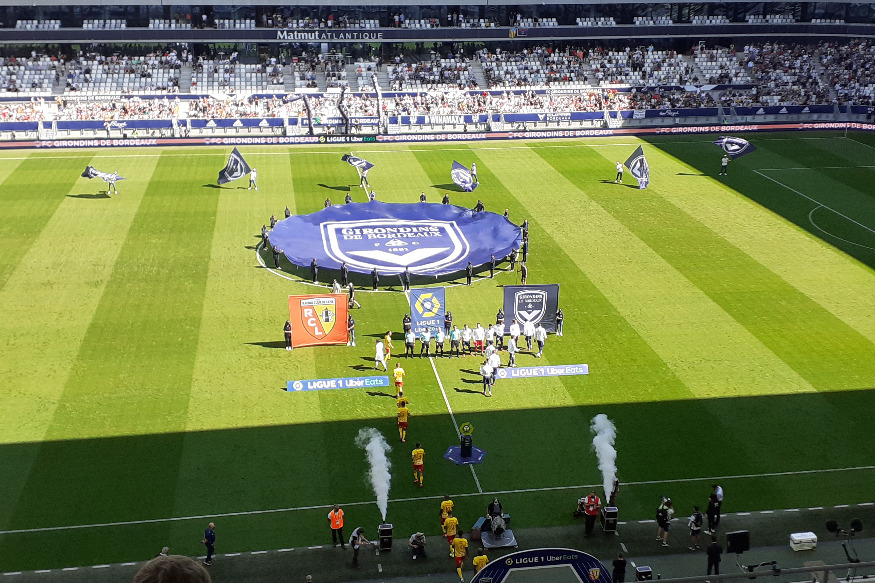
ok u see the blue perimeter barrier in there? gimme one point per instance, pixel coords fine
(436, 137)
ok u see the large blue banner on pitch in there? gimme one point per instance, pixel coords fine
(527, 372)
(427, 239)
(338, 383)
(427, 308)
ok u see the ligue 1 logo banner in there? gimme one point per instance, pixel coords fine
(318, 319)
(550, 564)
(427, 309)
(428, 239)
(532, 303)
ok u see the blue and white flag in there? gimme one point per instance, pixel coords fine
(235, 168)
(637, 165)
(735, 147)
(462, 177)
(359, 163)
(426, 238)
(427, 308)
(92, 172)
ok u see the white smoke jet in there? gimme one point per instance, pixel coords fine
(374, 444)
(603, 443)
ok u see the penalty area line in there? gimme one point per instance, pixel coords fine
(815, 201)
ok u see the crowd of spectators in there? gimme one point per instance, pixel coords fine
(851, 70)
(786, 74)
(436, 73)
(764, 74)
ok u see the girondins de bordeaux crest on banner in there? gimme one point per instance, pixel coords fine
(427, 239)
(532, 303)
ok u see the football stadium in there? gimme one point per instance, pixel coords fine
(587, 267)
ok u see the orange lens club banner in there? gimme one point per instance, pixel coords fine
(318, 319)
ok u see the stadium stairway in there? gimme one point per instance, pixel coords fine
(477, 73)
(60, 83)
(185, 78)
(289, 78)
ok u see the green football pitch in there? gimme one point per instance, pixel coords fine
(728, 324)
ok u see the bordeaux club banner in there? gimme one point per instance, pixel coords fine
(427, 309)
(318, 319)
(427, 239)
(532, 303)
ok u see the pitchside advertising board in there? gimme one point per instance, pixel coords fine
(550, 564)
(425, 238)
(427, 309)
(318, 319)
(532, 303)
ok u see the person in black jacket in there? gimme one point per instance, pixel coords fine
(619, 573)
(375, 278)
(469, 273)
(276, 257)
(714, 551)
(344, 275)
(287, 332)
(314, 269)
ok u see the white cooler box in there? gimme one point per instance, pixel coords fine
(803, 541)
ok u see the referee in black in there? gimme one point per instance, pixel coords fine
(287, 331)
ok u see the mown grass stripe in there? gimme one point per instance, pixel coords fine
(133, 372)
(818, 346)
(712, 354)
(31, 193)
(797, 257)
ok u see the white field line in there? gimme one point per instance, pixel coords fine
(814, 201)
(711, 479)
(453, 417)
(265, 552)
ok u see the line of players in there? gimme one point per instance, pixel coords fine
(477, 340)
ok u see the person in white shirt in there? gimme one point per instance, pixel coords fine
(425, 340)
(380, 356)
(335, 287)
(490, 335)
(466, 339)
(540, 338)
(439, 338)
(499, 336)
(529, 333)
(514, 330)
(474, 171)
(486, 373)
(489, 350)
(511, 352)
(495, 362)
(409, 343)
(479, 336)
(253, 176)
(619, 177)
